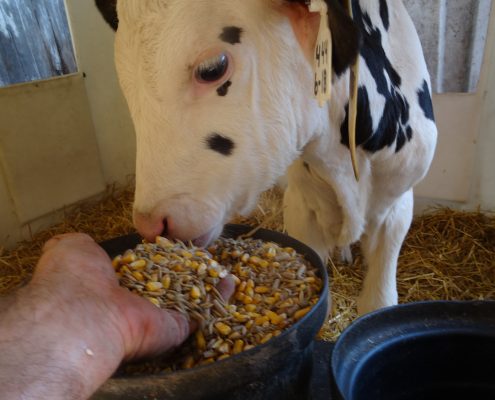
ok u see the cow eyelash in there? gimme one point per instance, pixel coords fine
(212, 69)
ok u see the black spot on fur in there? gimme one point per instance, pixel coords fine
(424, 98)
(220, 144)
(231, 34)
(224, 89)
(384, 14)
(393, 126)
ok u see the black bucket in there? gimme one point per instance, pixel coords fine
(417, 351)
(278, 369)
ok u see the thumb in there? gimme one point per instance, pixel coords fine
(151, 330)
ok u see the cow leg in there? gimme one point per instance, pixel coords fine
(301, 222)
(381, 246)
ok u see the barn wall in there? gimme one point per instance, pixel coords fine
(93, 41)
(461, 175)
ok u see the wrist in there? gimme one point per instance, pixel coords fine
(48, 351)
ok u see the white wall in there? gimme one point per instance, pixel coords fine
(462, 174)
(93, 41)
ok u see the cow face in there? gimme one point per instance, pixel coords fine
(220, 96)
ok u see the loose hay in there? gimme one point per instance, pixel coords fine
(447, 255)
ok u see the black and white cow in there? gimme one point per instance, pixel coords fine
(221, 95)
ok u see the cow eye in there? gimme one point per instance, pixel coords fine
(212, 69)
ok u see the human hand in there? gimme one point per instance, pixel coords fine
(72, 325)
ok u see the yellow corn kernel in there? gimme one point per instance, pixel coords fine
(301, 313)
(261, 320)
(195, 293)
(289, 250)
(240, 317)
(275, 319)
(125, 269)
(178, 268)
(153, 286)
(242, 286)
(186, 254)
(138, 264)
(254, 260)
(116, 261)
(249, 324)
(207, 361)
(213, 273)
(238, 346)
(266, 338)
(275, 264)
(310, 279)
(271, 300)
(250, 307)
(159, 259)
(223, 329)
(138, 276)
(128, 258)
(247, 300)
(248, 347)
(163, 242)
(249, 292)
(223, 357)
(200, 340)
(166, 280)
(287, 303)
(208, 287)
(257, 298)
(194, 265)
(263, 264)
(245, 257)
(239, 296)
(250, 284)
(254, 315)
(154, 301)
(277, 332)
(262, 289)
(199, 253)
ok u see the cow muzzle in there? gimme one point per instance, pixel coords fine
(184, 221)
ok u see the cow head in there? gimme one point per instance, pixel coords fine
(220, 93)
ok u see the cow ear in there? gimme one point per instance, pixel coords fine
(346, 38)
(108, 8)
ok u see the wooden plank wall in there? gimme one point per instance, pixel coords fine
(35, 41)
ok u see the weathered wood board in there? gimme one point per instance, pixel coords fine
(35, 41)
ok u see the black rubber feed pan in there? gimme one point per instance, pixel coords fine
(278, 369)
(417, 351)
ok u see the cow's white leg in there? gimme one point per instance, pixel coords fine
(381, 245)
(301, 222)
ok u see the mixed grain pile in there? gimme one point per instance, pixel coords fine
(274, 288)
(447, 255)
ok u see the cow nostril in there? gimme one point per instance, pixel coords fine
(165, 228)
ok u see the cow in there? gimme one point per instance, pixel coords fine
(221, 94)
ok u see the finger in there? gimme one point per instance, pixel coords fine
(152, 331)
(226, 287)
(65, 239)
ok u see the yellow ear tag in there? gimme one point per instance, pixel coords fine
(323, 54)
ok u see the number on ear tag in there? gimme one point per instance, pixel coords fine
(323, 54)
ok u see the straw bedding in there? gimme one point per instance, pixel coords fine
(447, 255)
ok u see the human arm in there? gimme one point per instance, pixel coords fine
(67, 331)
